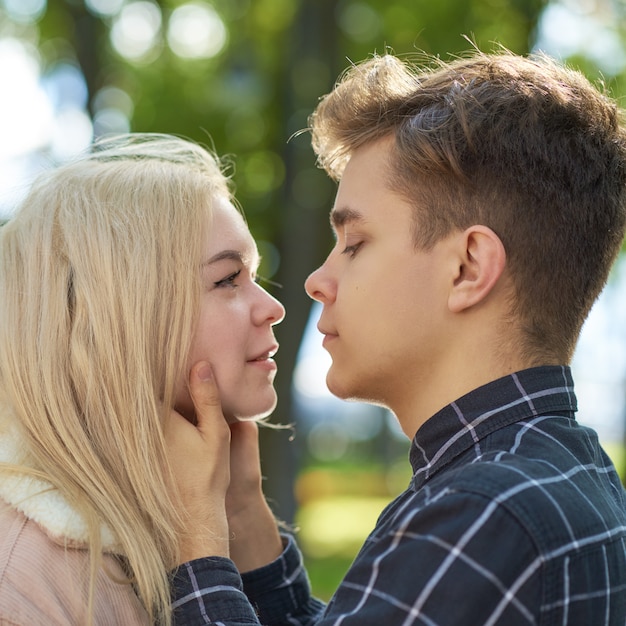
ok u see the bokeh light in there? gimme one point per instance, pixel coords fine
(327, 441)
(71, 129)
(196, 31)
(104, 8)
(25, 111)
(65, 86)
(359, 21)
(25, 11)
(136, 30)
(567, 29)
(270, 260)
(262, 171)
(113, 110)
(72, 132)
(309, 376)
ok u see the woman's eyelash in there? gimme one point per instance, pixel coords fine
(260, 280)
(229, 281)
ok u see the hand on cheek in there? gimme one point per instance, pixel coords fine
(199, 459)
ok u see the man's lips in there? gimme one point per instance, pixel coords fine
(328, 336)
(326, 332)
(327, 339)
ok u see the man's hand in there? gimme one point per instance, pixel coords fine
(200, 460)
(218, 474)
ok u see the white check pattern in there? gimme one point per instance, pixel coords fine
(514, 516)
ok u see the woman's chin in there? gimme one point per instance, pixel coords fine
(233, 419)
(249, 415)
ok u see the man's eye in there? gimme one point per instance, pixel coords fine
(352, 250)
(229, 281)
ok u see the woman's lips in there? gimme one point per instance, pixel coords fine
(265, 358)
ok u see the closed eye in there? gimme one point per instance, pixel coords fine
(352, 250)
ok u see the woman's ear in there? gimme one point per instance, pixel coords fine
(481, 260)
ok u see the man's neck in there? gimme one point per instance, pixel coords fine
(452, 379)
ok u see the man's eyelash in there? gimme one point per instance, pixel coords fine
(351, 250)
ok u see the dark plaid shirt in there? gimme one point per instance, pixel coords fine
(514, 515)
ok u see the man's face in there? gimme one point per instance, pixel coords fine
(385, 303)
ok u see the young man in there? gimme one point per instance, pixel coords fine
(479, 209)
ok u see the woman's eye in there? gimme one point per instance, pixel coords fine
(352, 250)
(229, 281)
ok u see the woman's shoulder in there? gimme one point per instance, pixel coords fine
(44, 581)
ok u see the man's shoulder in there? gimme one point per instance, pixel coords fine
(556, 503)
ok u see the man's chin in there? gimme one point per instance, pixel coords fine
(335, 386)
(345, 391)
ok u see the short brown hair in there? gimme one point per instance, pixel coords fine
(523, 145)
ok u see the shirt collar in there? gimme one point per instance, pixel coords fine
(460, 425)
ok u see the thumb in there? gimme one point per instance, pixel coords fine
(205, 395)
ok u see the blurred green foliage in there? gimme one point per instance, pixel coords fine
(280, 57)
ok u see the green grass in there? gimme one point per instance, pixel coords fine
(338, 508)
(325, 574)
(617, 452)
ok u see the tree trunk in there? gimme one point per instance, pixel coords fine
(304, 234)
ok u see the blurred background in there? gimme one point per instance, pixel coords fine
(242, 76)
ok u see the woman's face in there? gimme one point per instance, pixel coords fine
(234, 332)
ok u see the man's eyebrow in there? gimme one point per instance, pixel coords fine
(340, 217)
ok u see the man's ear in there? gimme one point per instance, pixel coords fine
(481, 260)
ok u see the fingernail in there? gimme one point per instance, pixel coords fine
(204, 372)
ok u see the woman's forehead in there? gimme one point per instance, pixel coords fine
(228, 230)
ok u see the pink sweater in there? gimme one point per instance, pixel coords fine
(44, 582)
(44, 565)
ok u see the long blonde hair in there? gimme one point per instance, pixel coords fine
(99, 276)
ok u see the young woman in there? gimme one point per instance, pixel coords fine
(118, 273)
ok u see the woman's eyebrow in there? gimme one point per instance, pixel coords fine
(225, 255)
(233, 255)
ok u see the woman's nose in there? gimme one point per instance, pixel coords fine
(279, 311)
(274, 311)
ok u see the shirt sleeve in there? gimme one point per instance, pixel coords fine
(211, 591)
(281, 592)
(463, 559)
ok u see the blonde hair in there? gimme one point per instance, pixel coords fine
(100, 284)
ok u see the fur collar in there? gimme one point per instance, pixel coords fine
(37, 499)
